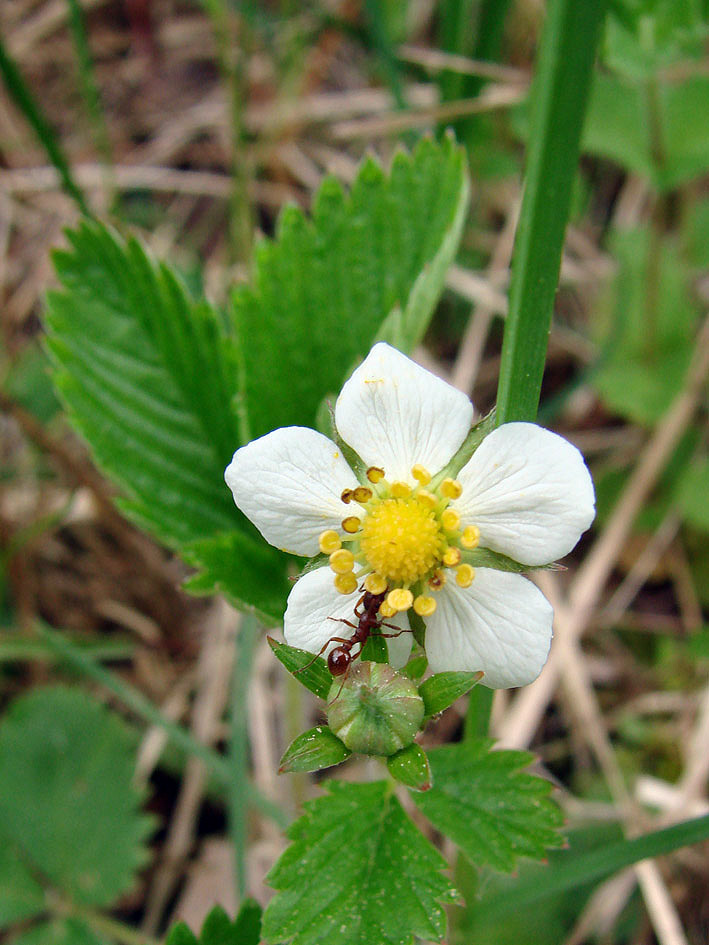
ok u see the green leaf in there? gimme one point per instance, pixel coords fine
(442, 689)
(311, 671)
(61, 932)
(492, 810)
(357, 870)
(21, 896)
(218, 929)
(181, 934)
(410, 766)
(324, 287)
(692, 493)
(66, 794)
(315, 749)
(149, 379)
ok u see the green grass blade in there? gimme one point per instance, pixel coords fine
(564, 71)
(28, 105)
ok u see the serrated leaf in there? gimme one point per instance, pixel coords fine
(61, 932)
(66, 794)
(357, 870)
(442, 689)
(410, 766)
(310, 672)
(181, 934)
(218, 929)
(149, 379)
(323, 288)
(495, 812)
(313, 750)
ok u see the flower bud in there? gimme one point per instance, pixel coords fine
(375, 711)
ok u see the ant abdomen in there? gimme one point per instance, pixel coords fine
(339, 659)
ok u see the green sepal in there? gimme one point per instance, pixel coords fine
(410, 766)
(311, 672)
(416, 667)
(418, 627)
(375, 649)
(486, 558)
(477, 434)
(313, 750)
(442, 689)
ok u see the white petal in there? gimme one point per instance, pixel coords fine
(316, 611)
(394, 413)
(289, 484)
(501, 624)
(529, 492)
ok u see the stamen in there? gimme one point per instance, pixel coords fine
(421, 474)
(386, 610)
(450, 520)
(345, 583)
(346, 496)
(470, 536)
(437, 580)
(424, 606)
(342, 561)
(329, 541)
(375, 474)
(375, 583)
(400, 490)
(362, 494)
(351, 524)
(465, 575)
(451, 488)
(427, 498)
(452, 557)
(400, 598)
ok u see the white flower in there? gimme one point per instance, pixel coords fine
(408, 531)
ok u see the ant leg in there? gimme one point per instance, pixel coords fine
(342, 620)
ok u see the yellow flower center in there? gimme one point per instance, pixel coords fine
(402, 540)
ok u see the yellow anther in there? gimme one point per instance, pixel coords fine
(451, 489)
(375, 474)
(386, 610)
(424, 606)
(351, 524)
(346, 496)
(450, 520)
(464, 575)
(362, 494)
(375, 583)
(421, 474)
(470, 536)
(437, 580)
(452, 557)
(329, 541)
(345, 583)
(427, 498)
(400, 490)
(400, 598)
(342, 561)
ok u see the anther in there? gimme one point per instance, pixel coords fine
(375, 474)
(346, 496)
(437, 580)
(345, 583)
(400, 490)
(470, 536)
(451, 489)
(400, 598)
(452, 557)
(427, 498)
(342, 561)
(375, 583)
(450, 520)
(421, 474)
(329, 541)
(351, 524)
(386, 610)
(362, 494)
(424, 606)
(465, 575)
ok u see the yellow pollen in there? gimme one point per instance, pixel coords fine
(400, 598)
(437, 580)
(375, 474)
(375, 583)
(465, 575)
(424, 606)
(427, 498)
(451, 489)
(386, 610)
(400, 490)
(452, 557)
(362, 494)
(345, 583)
(346, 496)
(351, 524)
(421, 474)
(470, 536)
(329, 541)
(402, 540)
(450, 520)
(342, 561)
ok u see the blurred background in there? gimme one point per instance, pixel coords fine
(191, 124)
